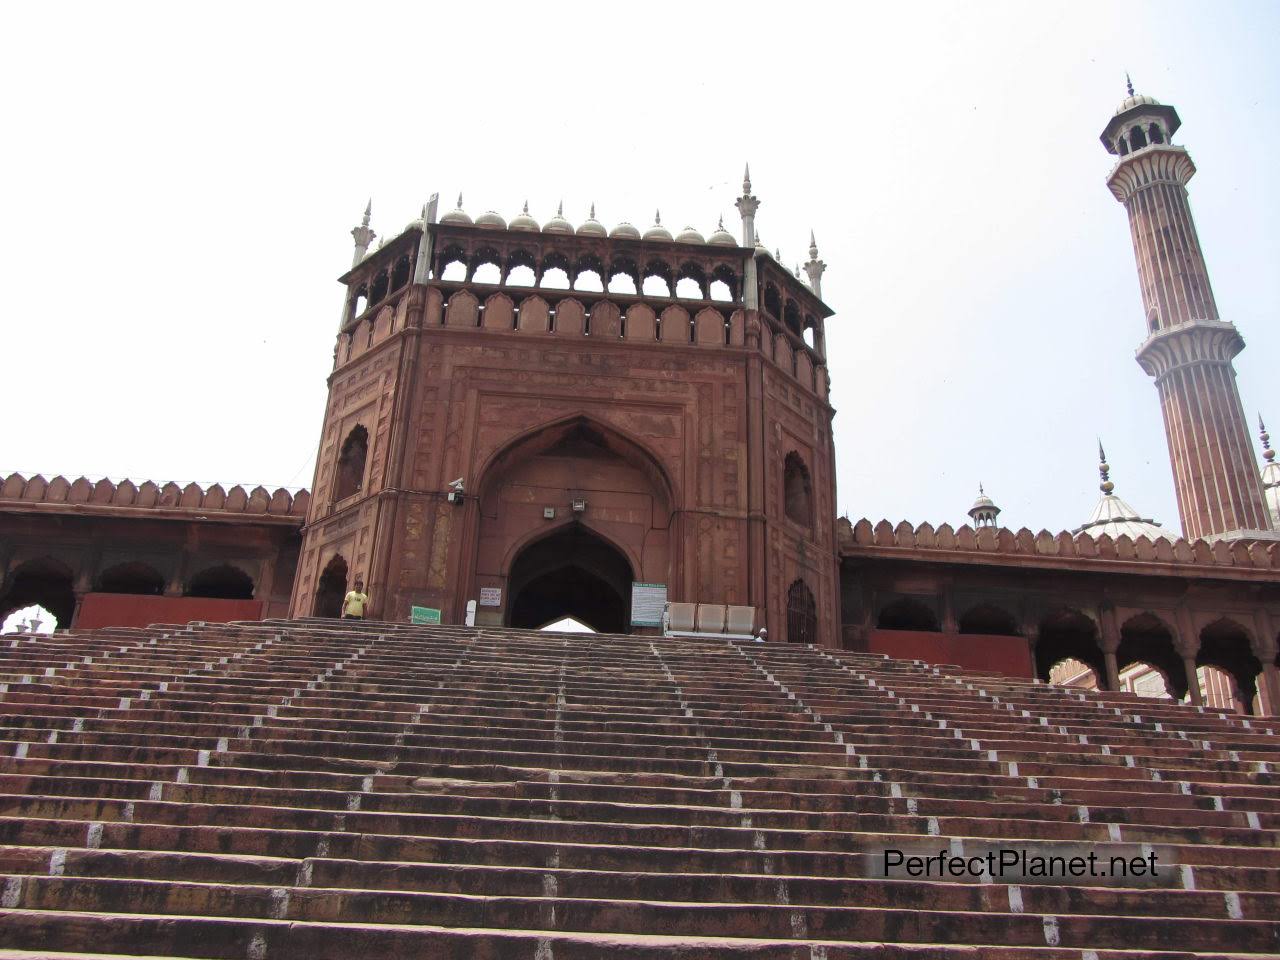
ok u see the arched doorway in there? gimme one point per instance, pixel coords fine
(332, 588)
(223, 582)
(44, 582)
(572, 572)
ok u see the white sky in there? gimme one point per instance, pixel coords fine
(182, 179)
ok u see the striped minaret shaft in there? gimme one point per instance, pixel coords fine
(1189, 348)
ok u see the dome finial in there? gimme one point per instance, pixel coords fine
(560, 209)
(813, 246)
(746, 180)
(1104, 470)
(657, 216)
(592, 214)
(1128, 83)
(526, 206)
(368, 212)
(1267, 453)
(459, 199)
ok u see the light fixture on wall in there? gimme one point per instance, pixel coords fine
(579, 505)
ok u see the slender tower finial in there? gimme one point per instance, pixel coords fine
(592, 214)
(747, 206)
(1104, 471)
(1128, 83)
(815, 267)
(362, 235)
(1267, 453)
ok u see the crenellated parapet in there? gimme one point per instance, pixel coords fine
(18, 494)
(1024, 548)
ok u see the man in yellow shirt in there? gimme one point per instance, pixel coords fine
(355, 601)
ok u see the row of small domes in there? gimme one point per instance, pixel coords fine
(590, 228)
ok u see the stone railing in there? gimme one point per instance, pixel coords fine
(853, 538)
(38, 493)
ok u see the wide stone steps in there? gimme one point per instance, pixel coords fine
(312, 789)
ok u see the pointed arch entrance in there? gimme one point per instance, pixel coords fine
(571, 572)
(570, 514)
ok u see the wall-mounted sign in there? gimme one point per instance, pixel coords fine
(490, 596)
(648, 600)
(424, 615)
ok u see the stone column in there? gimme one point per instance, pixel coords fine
(1109, 641)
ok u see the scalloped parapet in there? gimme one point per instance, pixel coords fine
(1044, 548)
(107, 496)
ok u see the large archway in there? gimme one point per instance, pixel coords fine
(572, 478)
(572, 572)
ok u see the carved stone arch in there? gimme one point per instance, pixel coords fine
(484, 254)
(624, 266)
(791, 317)
(725, 274)
(547, 435)
(772, 301)
(1149, 637)
(1228, 645)
(797, 490)
(691, 270)
(453, 253)
(1067, 632)
(588, 262)
(656, 267)
(554, 260)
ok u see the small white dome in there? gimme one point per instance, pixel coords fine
(690, 235)
(625, 231)
(522, 220)
(414, 225)
(592, 227)
(657, 231)
(457, 214)
(1137, 100)
(722, 237)
(558, 224)
(491, 219)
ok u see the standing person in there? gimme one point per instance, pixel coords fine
(355, 601)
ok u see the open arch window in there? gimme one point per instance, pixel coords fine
(802, 614)
(355, 449)
(224, 582)
(797, 491)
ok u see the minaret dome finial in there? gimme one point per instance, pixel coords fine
(1128, 83)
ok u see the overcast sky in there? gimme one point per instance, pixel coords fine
(181, 181)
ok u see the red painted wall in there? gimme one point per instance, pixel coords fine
(1008, 655)
(131, 610)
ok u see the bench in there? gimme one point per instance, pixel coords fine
(718, 620)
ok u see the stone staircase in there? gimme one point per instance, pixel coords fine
(317, 790)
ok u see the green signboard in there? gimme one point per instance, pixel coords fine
(424, 615)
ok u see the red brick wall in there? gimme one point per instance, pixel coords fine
(131, 610)
(1009, 655)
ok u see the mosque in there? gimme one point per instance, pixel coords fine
(528, 420)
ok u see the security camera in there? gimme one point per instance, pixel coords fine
(455, 492)
(456, 484)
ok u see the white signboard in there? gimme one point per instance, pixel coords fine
(490, 596)
(648, 600)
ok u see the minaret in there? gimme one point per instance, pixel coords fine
(1189, 348)
(814, 268)
(984, 511)
(363, 235)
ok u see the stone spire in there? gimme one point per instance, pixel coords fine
(1114, 516)
(1270, 475)
(1189, 347)
(984, 511)
(747, 206)
(815, 267)
(363, 235)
